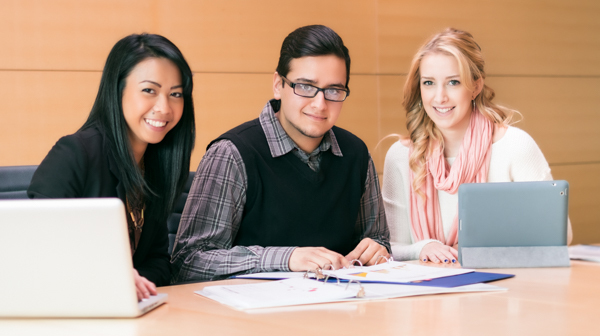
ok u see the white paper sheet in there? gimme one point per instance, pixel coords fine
(395, 272)
(273, 275)
(376, 291)
(278, 293)
(585, 252)
(304, 291)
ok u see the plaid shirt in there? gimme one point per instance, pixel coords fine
(215, 205)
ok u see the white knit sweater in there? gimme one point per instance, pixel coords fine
(515, 157)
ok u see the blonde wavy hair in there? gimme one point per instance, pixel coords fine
(423, 133)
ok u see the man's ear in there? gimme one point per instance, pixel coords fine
(277, 86)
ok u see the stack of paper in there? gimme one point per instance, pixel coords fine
(585, 252)
(278, 293)
(388, 280)
(395, 272)
(305, 291)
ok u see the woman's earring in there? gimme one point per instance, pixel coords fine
(473, 103)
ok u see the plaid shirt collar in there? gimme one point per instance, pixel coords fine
(280, 142)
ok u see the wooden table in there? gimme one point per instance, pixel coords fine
(542, 301)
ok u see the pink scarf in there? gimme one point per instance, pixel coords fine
(471, 165)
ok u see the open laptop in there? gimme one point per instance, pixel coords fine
(513, 224)
(67, 258)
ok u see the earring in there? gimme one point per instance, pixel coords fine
(473, 101)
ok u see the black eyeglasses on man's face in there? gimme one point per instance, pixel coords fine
(310, 91)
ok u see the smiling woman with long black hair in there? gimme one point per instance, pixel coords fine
(135, 145)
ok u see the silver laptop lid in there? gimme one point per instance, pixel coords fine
(65, 258)
(502, 223)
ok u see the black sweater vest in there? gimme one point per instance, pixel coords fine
(289, 204)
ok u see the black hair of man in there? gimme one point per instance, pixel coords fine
(315, 40)
(167, 163)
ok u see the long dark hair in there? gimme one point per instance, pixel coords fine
(166, 163)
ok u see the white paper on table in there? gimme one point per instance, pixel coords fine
(394, 272)
(381, 292)
(304, 291)
(273, 275)
(585, 252)
(278, 293)
(375, 291)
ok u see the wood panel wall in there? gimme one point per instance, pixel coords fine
(543, 58)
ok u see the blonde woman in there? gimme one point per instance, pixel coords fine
(456, 135)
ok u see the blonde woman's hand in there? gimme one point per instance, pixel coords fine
(143, 287)
(438, 253)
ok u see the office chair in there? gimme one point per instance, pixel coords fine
(14, 181)
(175, 217)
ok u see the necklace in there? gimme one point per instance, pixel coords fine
(137, 224)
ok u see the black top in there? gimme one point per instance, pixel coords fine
(82, 165)
(289, 204)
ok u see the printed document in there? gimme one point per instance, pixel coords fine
(395, 272)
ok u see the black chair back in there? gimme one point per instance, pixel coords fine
(175, 217)
(14, 181)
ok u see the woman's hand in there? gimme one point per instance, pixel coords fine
(437, 252)
(143, 287)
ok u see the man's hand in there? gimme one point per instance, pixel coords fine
(311, 258)
(367, 251)
(437, 252)
(143, 287)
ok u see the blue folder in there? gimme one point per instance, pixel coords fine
(449, 281)
(461, 279)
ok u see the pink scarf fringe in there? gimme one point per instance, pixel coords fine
(471, 165)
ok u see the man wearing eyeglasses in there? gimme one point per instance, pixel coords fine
(287, 191)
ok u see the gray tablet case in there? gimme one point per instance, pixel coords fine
(513, 224)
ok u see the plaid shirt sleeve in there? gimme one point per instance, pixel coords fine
(211, 219)
(371, 216)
